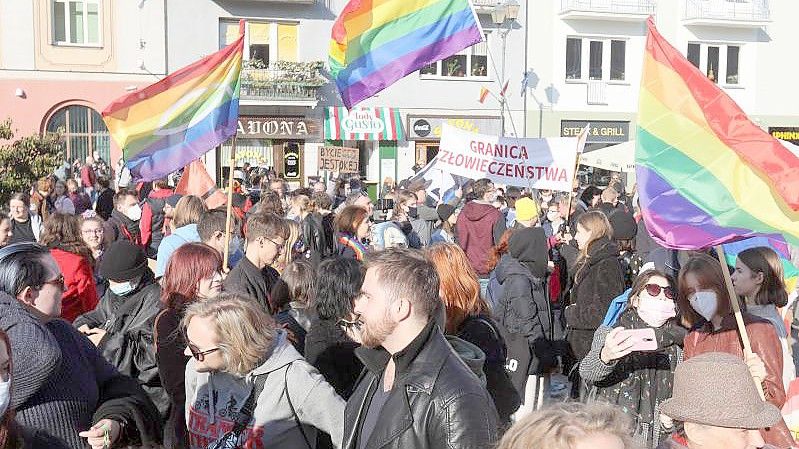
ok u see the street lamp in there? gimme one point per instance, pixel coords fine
(505, 13)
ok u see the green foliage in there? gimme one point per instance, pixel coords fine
(25, 160)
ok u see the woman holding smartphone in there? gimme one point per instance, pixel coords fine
(706, 308)
(632, 365)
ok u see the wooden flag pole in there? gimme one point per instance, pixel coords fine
(736, 308)
(571, 193)
(229, 219)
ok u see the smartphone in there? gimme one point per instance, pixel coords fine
(644, 339)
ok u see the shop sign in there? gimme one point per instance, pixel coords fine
(786, 133)
(291, 161)
(430, 127)
(338, 159)
(601, 131)
(280, 128)
(363, 124)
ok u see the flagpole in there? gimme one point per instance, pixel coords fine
(572, 194)
(229, 219)
(736, 308)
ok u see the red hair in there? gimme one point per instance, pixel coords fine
(460, 290)
(188, 265)
(498, 250)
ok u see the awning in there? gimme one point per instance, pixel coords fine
(363, 124)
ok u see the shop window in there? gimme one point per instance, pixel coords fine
(717, 62)
(469, 63)
(601, 63)
(83, 132)
(76, 22)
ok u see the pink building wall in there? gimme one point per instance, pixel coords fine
(44, 97)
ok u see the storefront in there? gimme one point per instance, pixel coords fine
(425, 131)
(375, 132)
(271, 141)
(786, 133)
(601, 134)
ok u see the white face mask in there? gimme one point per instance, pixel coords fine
(705, 303)
(134, 212)
(123, 288)
(546, 198)
(655, 312)
(5, 395)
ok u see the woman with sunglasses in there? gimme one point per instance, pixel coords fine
(62, 234)
(706, 308)
(619, 372)
(192, 274)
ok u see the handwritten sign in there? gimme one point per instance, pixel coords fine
(338, 159)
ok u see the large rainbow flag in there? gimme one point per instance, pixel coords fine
(706, 174)
(166, 125)
(377, 42)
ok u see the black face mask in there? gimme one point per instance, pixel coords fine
(413, 213)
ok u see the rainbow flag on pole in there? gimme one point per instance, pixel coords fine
(166, 125)
(790, 271)
(377, 42)
(706, 174)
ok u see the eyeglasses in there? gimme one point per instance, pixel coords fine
(93, 231)
(58, 282)
(654, 290)
(278, 246)
(200, 355)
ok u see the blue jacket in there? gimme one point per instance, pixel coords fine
(616, 307)
(179, 237)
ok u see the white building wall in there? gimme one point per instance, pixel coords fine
(16, 36)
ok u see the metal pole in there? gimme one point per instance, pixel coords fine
(526, 69)
(540, 118)
(502, 99)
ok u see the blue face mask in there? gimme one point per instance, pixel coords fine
(122, 288)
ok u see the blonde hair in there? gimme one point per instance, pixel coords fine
(188, 211)
(246, 333)
(305, 204)
(562, 426)
(293, 235)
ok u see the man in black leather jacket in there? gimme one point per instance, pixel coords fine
(415, 391)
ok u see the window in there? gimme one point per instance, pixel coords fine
(574, 58)
(83, 132)
(76, 22)
(602, 65)
(263, 41)
(469, 63)
(717, 62)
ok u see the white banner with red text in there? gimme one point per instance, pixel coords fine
(534, 163)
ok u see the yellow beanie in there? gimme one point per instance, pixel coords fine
(526, 209)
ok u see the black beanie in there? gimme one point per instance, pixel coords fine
(123, 261)
(623, 224)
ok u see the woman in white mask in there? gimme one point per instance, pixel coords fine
(706, 308)
(619, 368)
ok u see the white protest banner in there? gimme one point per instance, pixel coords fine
(534, 163)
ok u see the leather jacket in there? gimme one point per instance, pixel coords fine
(765, 344)
(314, 235)
(436, 401)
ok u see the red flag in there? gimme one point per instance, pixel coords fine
(483, 94)
(196, 181)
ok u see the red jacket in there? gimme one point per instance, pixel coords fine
(87, 176)
(475, 231)
(80, 295)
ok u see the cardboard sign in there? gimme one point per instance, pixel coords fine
(535, 163)
(338, 159)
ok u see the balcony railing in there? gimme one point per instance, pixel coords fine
(755, 11)
(282, 81)
(627, 7)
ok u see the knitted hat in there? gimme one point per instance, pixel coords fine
(123, 261)
(526, 209)
(716, 389)
(445, 211)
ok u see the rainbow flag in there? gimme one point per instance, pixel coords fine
(776, 243)
(706, 174)
(166, 125)
(377, 42)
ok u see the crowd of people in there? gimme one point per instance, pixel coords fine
(139, 317)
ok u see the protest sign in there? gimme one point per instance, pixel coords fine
(338, 159)
(534, 163)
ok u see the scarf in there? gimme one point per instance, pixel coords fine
(353, 244)
(641, 381)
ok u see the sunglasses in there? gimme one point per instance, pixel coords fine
(200, 355)
(654, 290)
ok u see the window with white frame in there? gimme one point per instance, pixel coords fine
(596, 59)
(469, 63)
(76, 22)
(716, 61)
